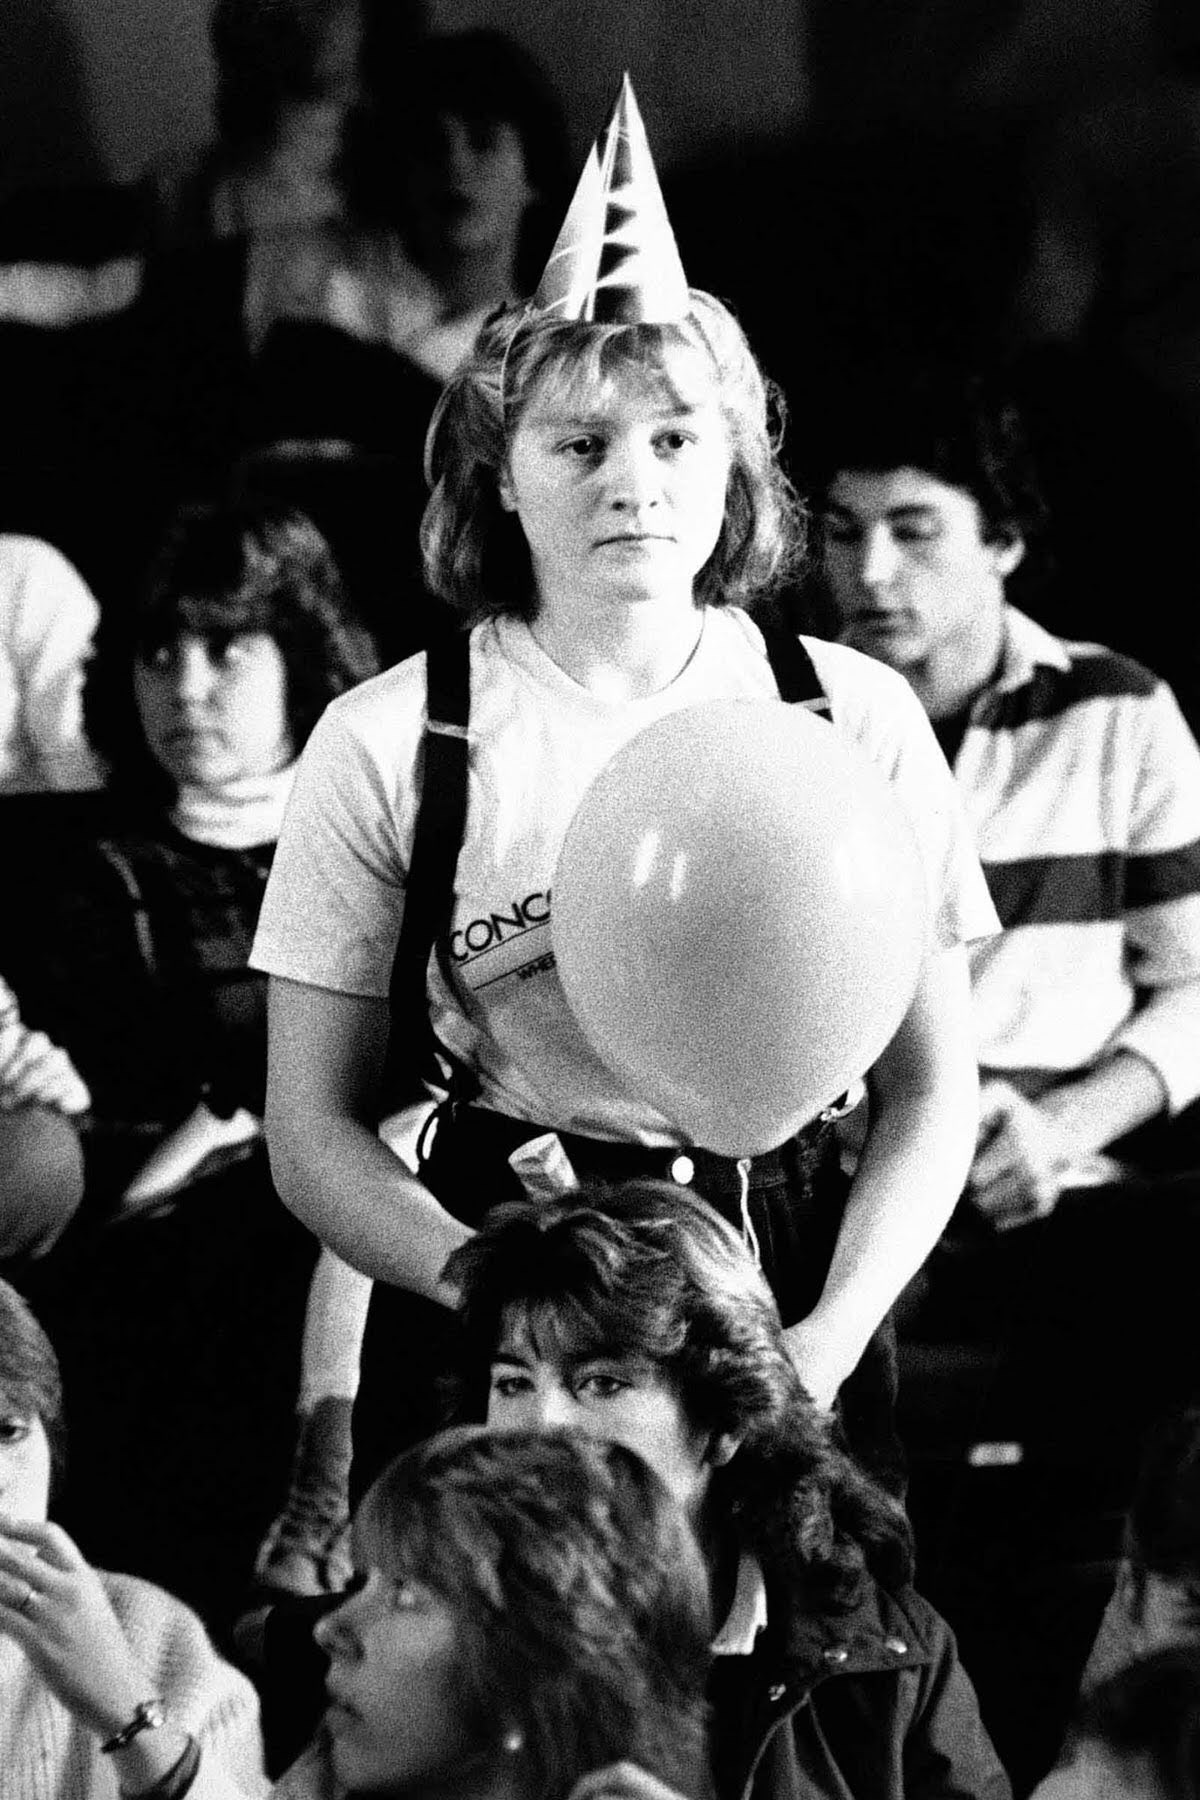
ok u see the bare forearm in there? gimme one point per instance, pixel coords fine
(1096, 1108)
(357, 1196)
(924, 1104)
(912, 1169)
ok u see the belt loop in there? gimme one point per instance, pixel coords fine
(749, 1235)
(429, 1129)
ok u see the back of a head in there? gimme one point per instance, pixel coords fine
(1163, 1531)
(579, 1594)
(1136, 1736)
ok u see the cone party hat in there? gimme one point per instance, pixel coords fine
(615, 260)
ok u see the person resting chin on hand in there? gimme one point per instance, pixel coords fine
(110, 1686)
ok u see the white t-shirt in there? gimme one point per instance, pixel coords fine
(332, 909)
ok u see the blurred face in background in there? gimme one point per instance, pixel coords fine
(469, 188)
(213, 708)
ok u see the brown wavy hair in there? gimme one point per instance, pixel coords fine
(649, 1268)
(579, 1596)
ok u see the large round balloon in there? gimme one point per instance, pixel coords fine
(739, 919)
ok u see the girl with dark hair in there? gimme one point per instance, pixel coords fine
(530, 1609)
(110, 1685)
(637, 1314)
(135, 953)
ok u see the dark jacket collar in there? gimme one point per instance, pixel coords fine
(879, 1631)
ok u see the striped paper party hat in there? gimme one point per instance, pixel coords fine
(615, 260)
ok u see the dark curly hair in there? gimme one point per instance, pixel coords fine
(961, 426)
(649, 1268)
(224, 569)
(579, 1596)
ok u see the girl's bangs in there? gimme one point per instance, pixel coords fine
(583, 366)
(213, 617)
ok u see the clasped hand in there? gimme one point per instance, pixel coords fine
(1024, 1158)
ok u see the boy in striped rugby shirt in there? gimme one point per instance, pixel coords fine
(1080, 777)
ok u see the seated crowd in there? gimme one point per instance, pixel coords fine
(578, 1512)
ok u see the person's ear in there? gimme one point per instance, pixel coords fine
(1008, 551)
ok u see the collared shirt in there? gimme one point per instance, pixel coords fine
(747, 1614)
(1081, 780)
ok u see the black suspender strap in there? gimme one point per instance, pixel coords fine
(437, 838)
(792, 667)
(414, 1051)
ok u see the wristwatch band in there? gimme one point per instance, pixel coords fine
(148, 1715)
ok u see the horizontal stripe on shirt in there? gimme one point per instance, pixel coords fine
(1094, 674)
(1081, 780)
(1059, 890)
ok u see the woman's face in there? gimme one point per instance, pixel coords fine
(395, 1718)
(469, 188)
(619, 1398)
(620, 489)
(214, 710)
(24, 1464)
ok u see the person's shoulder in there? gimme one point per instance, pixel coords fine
(870, 702)
(380, 703)
(24, 559)
(400, 693)
(1098, 672)
(844, 673)
(909, 1617)
(854, 676)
